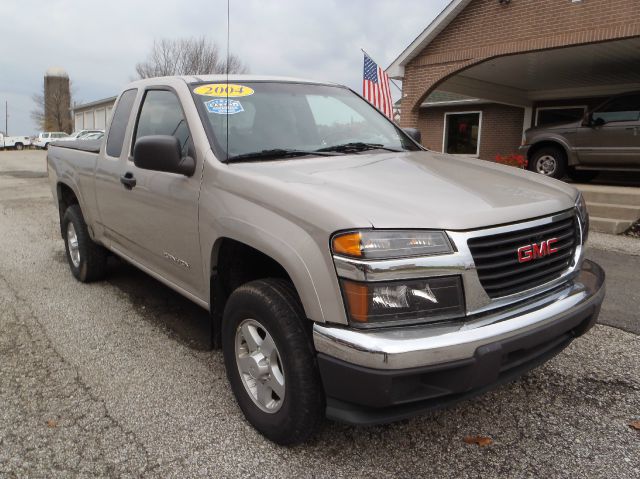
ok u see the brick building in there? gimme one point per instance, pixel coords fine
(485, 70)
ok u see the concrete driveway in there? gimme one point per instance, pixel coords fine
(114, 379)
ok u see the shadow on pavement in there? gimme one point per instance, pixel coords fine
(615, 178)
(161, 305)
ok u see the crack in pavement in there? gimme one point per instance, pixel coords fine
(40, 385)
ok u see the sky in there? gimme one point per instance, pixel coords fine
(99, 43)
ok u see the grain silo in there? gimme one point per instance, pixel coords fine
(57, 100)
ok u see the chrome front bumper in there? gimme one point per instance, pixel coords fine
(433, 344)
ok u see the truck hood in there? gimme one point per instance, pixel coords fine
(402, 190)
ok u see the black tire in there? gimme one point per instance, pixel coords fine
(275, 305)
(92, 264)
(548, 155)
(46, 146)
(581, 176)
(19, 146)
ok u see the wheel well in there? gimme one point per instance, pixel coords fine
(545, 144)
(66, 198)
(234, 264)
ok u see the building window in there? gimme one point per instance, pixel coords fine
(462, 133)
(559, 114)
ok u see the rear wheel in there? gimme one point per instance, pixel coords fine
(87, 259)
(549, 161)
(19, 146)
(581, 176)
(270, 361)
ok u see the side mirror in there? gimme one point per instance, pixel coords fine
(162, 153)
(598, 122)
(414, 133)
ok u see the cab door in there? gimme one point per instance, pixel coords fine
(613, 137)
(152, 216)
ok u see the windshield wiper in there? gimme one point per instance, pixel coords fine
(357, 146)
(275, 153)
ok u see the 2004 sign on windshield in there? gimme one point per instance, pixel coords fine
(230, 90)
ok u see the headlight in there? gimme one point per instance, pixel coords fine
(410, 301)
(583, 214)
(386, 244)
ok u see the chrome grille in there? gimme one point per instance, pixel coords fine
(496, 257)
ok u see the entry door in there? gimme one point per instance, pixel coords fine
(613, 139)
(156, 221)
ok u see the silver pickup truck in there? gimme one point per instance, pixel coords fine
(348, 272)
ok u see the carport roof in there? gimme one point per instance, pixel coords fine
(597, 69)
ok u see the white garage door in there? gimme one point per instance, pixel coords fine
(79, 123)
(100, 119)
(88, 120)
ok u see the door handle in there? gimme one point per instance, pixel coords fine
(128, 180)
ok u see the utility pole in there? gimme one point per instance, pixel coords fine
(6, 118)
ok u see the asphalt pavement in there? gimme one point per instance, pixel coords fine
(115, 379)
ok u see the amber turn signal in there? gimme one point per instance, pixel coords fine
(348, 244)
(358, 300)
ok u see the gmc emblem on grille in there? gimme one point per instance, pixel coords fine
(536, 250)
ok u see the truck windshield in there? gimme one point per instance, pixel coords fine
(273, 120)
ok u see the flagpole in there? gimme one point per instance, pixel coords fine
(390, 79)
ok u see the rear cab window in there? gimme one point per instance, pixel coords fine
(119, 123)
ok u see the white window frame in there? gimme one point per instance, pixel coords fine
(567, 107)
(445, 130)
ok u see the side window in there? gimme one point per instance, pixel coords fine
(624, 108)
(161, 114)
(119, 123)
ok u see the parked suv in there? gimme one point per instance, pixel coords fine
(44, 138)
(607, 138)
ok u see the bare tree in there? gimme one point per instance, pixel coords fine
(37, 114)
(187, 56)
(53, 110)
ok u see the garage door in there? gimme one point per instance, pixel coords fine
(100, 119)
(88, 120)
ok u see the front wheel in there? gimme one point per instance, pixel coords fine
(270, 361)
(19, 146)
(549, 161)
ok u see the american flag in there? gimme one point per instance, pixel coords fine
(375, 87)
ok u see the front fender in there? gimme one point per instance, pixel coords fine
(303, 254)
(556, 139)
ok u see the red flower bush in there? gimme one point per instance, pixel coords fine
(518, 161)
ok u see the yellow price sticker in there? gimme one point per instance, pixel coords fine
(223, 90)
